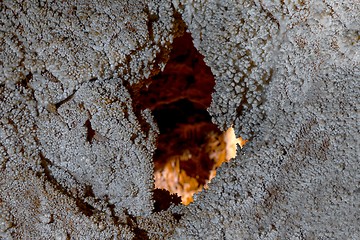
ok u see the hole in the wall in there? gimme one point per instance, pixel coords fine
(163, 199)
(190, 147)
(90, 131)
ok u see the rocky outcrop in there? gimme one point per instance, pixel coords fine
(76, 152)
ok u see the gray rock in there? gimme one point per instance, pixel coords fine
(76, 154)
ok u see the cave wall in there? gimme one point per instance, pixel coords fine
(76, 153)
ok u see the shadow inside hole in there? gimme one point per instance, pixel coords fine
(178, 98)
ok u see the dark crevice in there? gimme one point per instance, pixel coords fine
(112, 207)
(125, 110)
(58, 104)
(84, 207)
(163, 199)
(151, 17)
(140, 234)
(13, 124)
(5, 156)
(177, 216)
(133, 137)
(240, 108)
(127, 221)
(90, 131)
(25, 81)
(93, 79)
(88, 191)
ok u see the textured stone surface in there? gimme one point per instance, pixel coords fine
(76, 159)
(76, 156)
(298, 177)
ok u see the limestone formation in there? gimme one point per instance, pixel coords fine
(76, 152)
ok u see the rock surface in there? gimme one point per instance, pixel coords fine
(76, 154)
